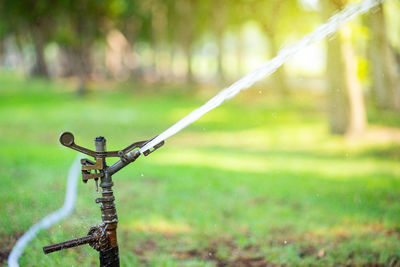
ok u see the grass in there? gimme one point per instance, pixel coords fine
(255, 182)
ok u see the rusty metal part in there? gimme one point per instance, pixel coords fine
(109, 258)
(148, 151)
(101, 241)
(133, 146)
(123, 152)
(97, 238)
(68, 244)
(87, 175)
(102, 237)
(67, 139)
(140, 144)
(109, 214)
(108, 211)
(88, 166)
(107, 207)
(124, 161)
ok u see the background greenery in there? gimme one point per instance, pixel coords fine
(257, 181)
(300, 170)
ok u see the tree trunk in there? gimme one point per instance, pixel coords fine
(240, 53)
(188, 53)
(1, 51)
(357, 114)
(220, 66)
(338, 101)
(185, 11)
(171, 50)
(76, 61)
(119, 57)
(219, 25)
(84, 67)
(346, 103)
(386, 88)
(65, 61)
(40, 67)
(279, 77)
(159, 25)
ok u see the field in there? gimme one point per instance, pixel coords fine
(256, 182)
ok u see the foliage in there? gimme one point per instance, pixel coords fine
(255, 180)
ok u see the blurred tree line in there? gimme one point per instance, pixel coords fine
(89, 39)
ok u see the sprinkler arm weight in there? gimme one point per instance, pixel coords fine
(67, 139)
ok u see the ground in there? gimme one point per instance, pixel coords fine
(256, 182)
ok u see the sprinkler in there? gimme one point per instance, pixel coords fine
(102, 237)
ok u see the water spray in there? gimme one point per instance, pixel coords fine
(269, 67)
(102, 237)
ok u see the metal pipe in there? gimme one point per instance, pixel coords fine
(68, 244)
(100, 144)
(102, 238)
(129, 158)
(108, 257)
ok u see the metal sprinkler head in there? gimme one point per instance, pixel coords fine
(103, 237)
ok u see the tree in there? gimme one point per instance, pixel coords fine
(35, 20)
(238, 14)
(219, 24)
(81, 23)
(133, 22)
(346, 103)
(185, 10)
(186, 23)
(279, 20)
(3, 34)
(385, 78)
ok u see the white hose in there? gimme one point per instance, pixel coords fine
(49, 220)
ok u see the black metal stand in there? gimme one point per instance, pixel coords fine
(109, 258)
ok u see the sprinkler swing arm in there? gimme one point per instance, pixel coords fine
(103, 237)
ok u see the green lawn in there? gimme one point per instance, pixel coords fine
(255, 181)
